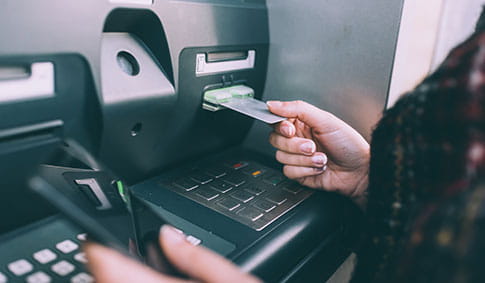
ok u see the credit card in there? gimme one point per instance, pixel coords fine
(253, 108)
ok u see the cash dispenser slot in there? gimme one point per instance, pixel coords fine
(18, 83)
(44, 100)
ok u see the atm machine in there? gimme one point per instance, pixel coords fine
(129, 82)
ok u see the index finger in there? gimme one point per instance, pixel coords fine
(307, 113)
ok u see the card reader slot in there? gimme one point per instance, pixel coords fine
(239, 98)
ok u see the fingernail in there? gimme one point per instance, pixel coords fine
(307, 147)
(291, 130)
(318, 160)
(286, 130)
(320, 169)
(274, 103)
(172, 235)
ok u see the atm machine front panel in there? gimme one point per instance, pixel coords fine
(145, 66)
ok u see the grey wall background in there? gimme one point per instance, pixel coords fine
(457, 23)
(335, 54)
(429, 30)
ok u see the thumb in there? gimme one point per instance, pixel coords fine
(198, 262)
(109, 266)
(312, 116)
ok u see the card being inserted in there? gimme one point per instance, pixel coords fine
(239, 98)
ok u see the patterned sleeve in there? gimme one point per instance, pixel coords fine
(447, 242)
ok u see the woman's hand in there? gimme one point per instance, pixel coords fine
(198, 263)
(319, 150)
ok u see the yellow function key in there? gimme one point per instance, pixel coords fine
(256, 173)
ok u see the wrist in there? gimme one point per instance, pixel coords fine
(362, 185)
(359, 196)
(360, 193)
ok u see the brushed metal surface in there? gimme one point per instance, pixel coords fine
(337, 55)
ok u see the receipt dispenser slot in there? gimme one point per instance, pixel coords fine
(221, 62)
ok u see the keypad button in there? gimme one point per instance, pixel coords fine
(63, 268)
(81, 257)
(200, 177)
(216, 171)
(67, 246)
(236, 179)
(20, 267)
(242, 196)
(82, 237)
(253, 189)
(221, 186)
(274, 179)
(3, 278)
(264, 205)
(39, 277)
(208, 194)
(236, 165)
(186, 184)
(45, 256)
(277, 197)
(82, 278)
(248, 169)
(250, 213)
(254, 171)
(178, 230)
(193, 240)
(229, 204)
(293, 188)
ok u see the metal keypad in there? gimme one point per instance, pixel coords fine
(247, 192)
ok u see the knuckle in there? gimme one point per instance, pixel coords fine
(278, 126)
(304, 160)
(294, 144)
(272, 138)
(288, 171)
(300, 103)
(279, 155)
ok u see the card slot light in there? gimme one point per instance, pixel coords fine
(239, 98)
